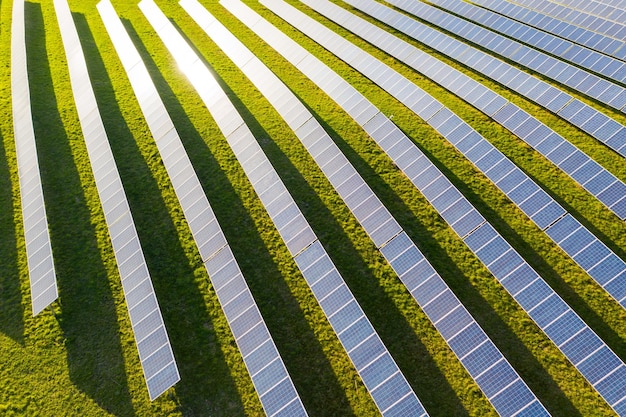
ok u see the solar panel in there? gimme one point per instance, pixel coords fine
(580, 55)
(42, 276)
(155, 353)
(597, 24)
(265, 366)
(268, 373)
(352, 327)
(488, 104)
(313, 261)
(524, 284)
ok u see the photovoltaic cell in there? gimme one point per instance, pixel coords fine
(517, 282)
(260, 355)
(43, 285)
(155, 353)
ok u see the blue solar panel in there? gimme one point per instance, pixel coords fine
(549, 310)
(593, 16)
(513, 277)
(562, 28)
(506, 264)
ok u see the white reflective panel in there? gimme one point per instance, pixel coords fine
(38, 247)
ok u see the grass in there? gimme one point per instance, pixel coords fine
(80, 359)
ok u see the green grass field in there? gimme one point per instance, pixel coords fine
(79, 358)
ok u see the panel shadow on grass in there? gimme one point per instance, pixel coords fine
(88, 317)
(295, 340)
(11, 309)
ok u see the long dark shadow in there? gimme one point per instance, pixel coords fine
(88, 317)
(515, 351)
(297, 343)
(11, 309)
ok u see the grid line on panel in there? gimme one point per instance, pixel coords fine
(505, 388)
(589, 355)
(97, 145)
(599, 381)
(487, 369)
(31, 190)
(385, 380)
(475, 348)
(389, 244)
(522, 410)
(449, 313)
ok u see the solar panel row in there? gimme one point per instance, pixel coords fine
(155, 352)
(593, 256)
(598, 125)
(563, 48)
(605, 186)
(265, 366)
(560, 323)
(43, 284)
(598, 24)
(581, 36)
(521, 189)
(585, 350)
(385, 382)
(509, 395)
(587, 58)
(380, 374)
